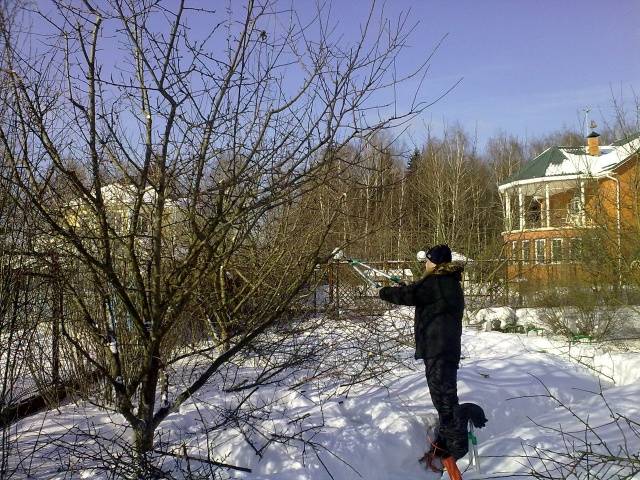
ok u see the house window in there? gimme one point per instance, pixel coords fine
(540, 256)
(575, 249)
(556, 250)
(526, 251)
(144, 223)
(118, 220)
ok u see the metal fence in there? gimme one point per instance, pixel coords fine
(345, 291)
(340, 290)
(32, 308)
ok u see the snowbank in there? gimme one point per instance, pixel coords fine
(492, 318)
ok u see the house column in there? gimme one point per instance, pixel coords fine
(507, 206)
(521, 207)
(547, 204)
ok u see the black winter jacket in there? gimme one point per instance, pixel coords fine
(439, 303)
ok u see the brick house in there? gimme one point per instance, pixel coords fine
(568, 196)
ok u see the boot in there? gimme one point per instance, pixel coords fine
(433, 458)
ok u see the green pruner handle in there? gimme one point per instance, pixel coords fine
(473, 439)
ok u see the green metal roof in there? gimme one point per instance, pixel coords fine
(538, 166)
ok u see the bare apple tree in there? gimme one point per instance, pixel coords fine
(168, 151)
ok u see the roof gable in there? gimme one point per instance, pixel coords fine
(538, 166)
(557, 161)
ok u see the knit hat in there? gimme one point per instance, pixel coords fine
(439, 254)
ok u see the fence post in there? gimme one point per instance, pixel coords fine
(337, 278)
(57, 318)
(330, 281)
(315, 284)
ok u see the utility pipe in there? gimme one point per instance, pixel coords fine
(618, 221)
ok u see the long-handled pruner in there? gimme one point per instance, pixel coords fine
(355, 263)
(364, 276)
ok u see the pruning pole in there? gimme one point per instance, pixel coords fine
(364, 276)
(355, 262)
(473, 448)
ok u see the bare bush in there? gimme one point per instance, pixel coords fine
(577, 311)
(600, 449)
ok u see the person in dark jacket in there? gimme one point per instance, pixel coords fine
(439, 303)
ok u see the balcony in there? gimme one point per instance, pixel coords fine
(555, 219)
(549, 204)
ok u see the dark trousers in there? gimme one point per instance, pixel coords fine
(442, 377)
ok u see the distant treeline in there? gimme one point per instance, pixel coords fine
(396, 201)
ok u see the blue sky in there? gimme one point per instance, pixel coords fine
(528, 67)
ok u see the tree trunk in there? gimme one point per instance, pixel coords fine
(145, 429)
(143, 447)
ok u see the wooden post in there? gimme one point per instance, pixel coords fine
(337, 290)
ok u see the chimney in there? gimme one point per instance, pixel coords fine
(593, 144)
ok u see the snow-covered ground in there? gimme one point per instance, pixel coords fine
(541, 395)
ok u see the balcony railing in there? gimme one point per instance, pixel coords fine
(558, 218)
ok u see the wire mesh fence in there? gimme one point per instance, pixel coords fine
(341, 290)
(348, 292)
